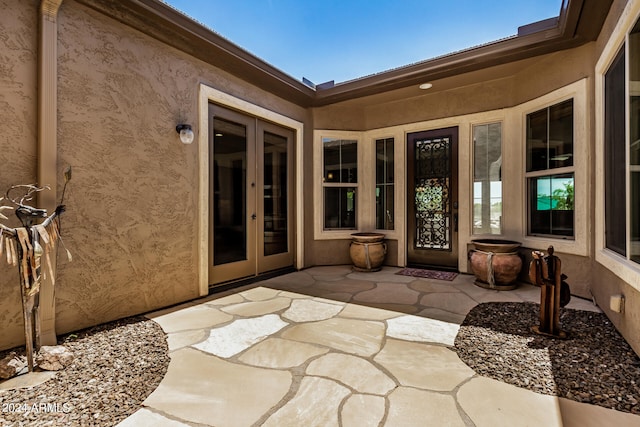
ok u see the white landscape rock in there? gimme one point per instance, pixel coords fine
(54, 357)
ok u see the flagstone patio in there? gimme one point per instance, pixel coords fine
(330, 347)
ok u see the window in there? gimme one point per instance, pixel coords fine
(550, 171)
(614, 157)
(634, 142)
(622, 154)
(340, 179)
(487, 179)
(384, 184)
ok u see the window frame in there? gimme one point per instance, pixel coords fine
(320, 232)
(580, 243)
(549, 172)
(473, 168)
(617, 264)
(340, 183)
(386, 184)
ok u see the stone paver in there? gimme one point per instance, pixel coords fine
(257, 308)
(363, 410)
(389, 293)
(357, 311)
(226, 300)
(146, 418)
(311, 311)
(445, 316)
(281, 354)
(315, 404)
(414, 328)
(387, 275)
(491, 403)
(429, 286)
(359, 337)
(411, 407)
(197, 388)
(260, 294)
(576, 414)
(240, 335)
(332, 347)
(353, 371)
(198, 317)
(178, 340)
(424, 366)
(458, 303)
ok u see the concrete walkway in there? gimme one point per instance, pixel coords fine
(331, 347)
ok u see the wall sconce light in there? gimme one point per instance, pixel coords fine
(186, 133)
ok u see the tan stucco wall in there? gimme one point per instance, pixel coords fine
(493, 89)
(607, 284)
(132, 205)
(490, 89)
(18, 141)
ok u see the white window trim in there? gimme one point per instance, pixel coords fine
(362, 199)
(580, 243)
(625, 269)
(365, 193)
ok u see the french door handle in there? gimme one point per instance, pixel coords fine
(455, 222)
(253, 216)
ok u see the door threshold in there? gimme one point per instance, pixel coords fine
(236, 283)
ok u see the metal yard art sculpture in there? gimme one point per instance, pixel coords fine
(546, 272)
(29, 247)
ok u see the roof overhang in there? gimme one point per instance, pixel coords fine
(579, 22)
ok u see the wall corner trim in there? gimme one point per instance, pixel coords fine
(48, 145)
(49, 9)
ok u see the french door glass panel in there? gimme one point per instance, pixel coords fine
(250, 188)
(230, 195)
(276, 214)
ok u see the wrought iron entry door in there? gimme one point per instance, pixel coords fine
(432, 198)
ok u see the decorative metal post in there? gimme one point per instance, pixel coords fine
(546, 272)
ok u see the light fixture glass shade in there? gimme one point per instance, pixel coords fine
(186, 133)
(186, 136)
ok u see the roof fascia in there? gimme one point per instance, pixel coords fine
(163, 22)
(579, 22)
(568, 33)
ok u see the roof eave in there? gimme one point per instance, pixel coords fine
(579, 22)
(164, 23)
(536, 39)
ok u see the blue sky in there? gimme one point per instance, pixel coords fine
(341, 40)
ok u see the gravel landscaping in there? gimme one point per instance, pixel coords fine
(116, 366)
(594, 365)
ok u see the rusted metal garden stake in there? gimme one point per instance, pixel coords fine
(546, 272)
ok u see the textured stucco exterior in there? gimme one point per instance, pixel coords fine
(133, 215)
(18, 142)
(131, 223)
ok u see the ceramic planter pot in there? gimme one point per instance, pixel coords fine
(367, 251)
(495, 263)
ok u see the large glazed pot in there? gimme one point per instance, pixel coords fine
(367, 251)
(495, 263)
